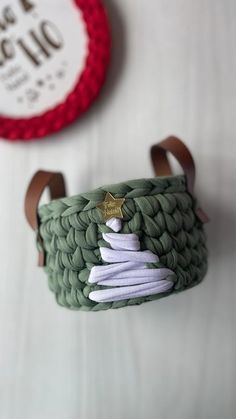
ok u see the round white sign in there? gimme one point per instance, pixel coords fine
(43, 47)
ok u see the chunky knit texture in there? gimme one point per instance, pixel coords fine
(160, 211)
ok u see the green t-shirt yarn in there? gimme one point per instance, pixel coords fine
(160, 211)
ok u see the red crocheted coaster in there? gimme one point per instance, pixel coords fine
(84, 91)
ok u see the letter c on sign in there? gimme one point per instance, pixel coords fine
(6, 50)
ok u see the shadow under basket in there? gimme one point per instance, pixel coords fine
(121, 244)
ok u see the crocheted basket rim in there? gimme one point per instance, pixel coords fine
(177, 184)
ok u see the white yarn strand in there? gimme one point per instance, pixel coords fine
(127, 273)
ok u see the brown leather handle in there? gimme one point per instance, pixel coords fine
(42, 179)
(182, 154)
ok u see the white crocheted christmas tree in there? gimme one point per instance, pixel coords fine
(126, 274)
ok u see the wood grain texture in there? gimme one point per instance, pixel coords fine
(173, 71)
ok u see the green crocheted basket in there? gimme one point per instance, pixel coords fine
(121, 244)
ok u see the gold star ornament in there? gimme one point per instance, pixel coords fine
(111, 207)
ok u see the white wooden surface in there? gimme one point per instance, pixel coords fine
(173, 71)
